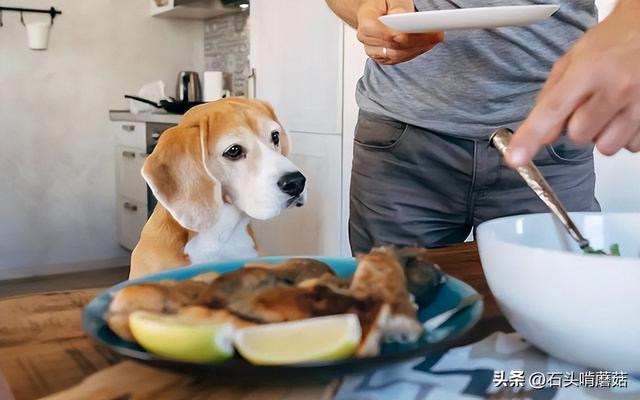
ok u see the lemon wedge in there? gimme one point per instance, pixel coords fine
(182, 338)
(316, 339)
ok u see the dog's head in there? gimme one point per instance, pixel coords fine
(232, 150)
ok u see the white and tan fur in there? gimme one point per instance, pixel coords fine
(206, 200)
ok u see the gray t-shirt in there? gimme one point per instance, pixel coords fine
(476, 80)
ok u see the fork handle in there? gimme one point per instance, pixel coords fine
(534, 178)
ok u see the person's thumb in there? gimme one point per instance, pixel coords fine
(399, 6)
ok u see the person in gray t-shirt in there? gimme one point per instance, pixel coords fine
(423, 170)
(476, 80)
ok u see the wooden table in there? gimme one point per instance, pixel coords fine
(44, 352)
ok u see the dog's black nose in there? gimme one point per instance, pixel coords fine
(292, 183)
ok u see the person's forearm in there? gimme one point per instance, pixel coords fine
(626, 9)
(347, 10)
(628, 5)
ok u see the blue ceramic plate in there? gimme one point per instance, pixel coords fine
(448, 296)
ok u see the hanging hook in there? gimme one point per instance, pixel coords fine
(51, 11)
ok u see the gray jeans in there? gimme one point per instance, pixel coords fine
(411, 186)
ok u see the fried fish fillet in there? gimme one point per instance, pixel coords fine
(256, 276)
(170, 296)
(296, 271)
(380, 275)
(378, 293)
(209, 289)
(333, 281)
(238, 284)
(217, 316)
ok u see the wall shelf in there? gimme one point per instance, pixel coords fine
(189, 9)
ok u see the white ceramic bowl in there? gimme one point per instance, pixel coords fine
(584, 309)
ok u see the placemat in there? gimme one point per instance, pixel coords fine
(501, 366)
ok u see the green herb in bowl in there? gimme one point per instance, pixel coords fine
(614, 250)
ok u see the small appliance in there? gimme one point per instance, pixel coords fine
(188, 87)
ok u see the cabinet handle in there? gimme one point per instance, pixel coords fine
(155, 135)
(129, 154)
(251, 84)
(129, 206)
(128, 128)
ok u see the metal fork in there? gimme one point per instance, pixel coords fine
(533, 177)
(434, 322)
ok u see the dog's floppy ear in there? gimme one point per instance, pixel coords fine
(177, 175)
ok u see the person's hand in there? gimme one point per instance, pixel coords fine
(385, 45)
(593, 92)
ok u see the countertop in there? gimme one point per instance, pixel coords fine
(158, 117)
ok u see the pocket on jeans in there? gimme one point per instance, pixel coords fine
(564, 151)
(378, 133)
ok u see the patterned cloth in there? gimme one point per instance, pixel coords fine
(501, 366)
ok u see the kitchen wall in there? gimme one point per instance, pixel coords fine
(226, 48)
(57, 206)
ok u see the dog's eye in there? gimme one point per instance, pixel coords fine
(234, 152)
(275, 138)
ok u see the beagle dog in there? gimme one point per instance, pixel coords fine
(223, 164)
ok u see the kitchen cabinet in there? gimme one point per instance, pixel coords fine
(313, 229)
(189, 9)
(129, 181)
(129, 134)
(136, 135)
(131, 190)
(132, 215)
(296, 53)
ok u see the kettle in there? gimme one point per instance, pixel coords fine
(188, 87)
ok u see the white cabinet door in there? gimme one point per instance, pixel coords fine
(129, 180)
(132, 216)
(315, 228)
(296, 51)
(130, 134)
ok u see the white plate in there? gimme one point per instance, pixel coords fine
(468, 18)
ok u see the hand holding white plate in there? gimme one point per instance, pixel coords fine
(468, 18)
